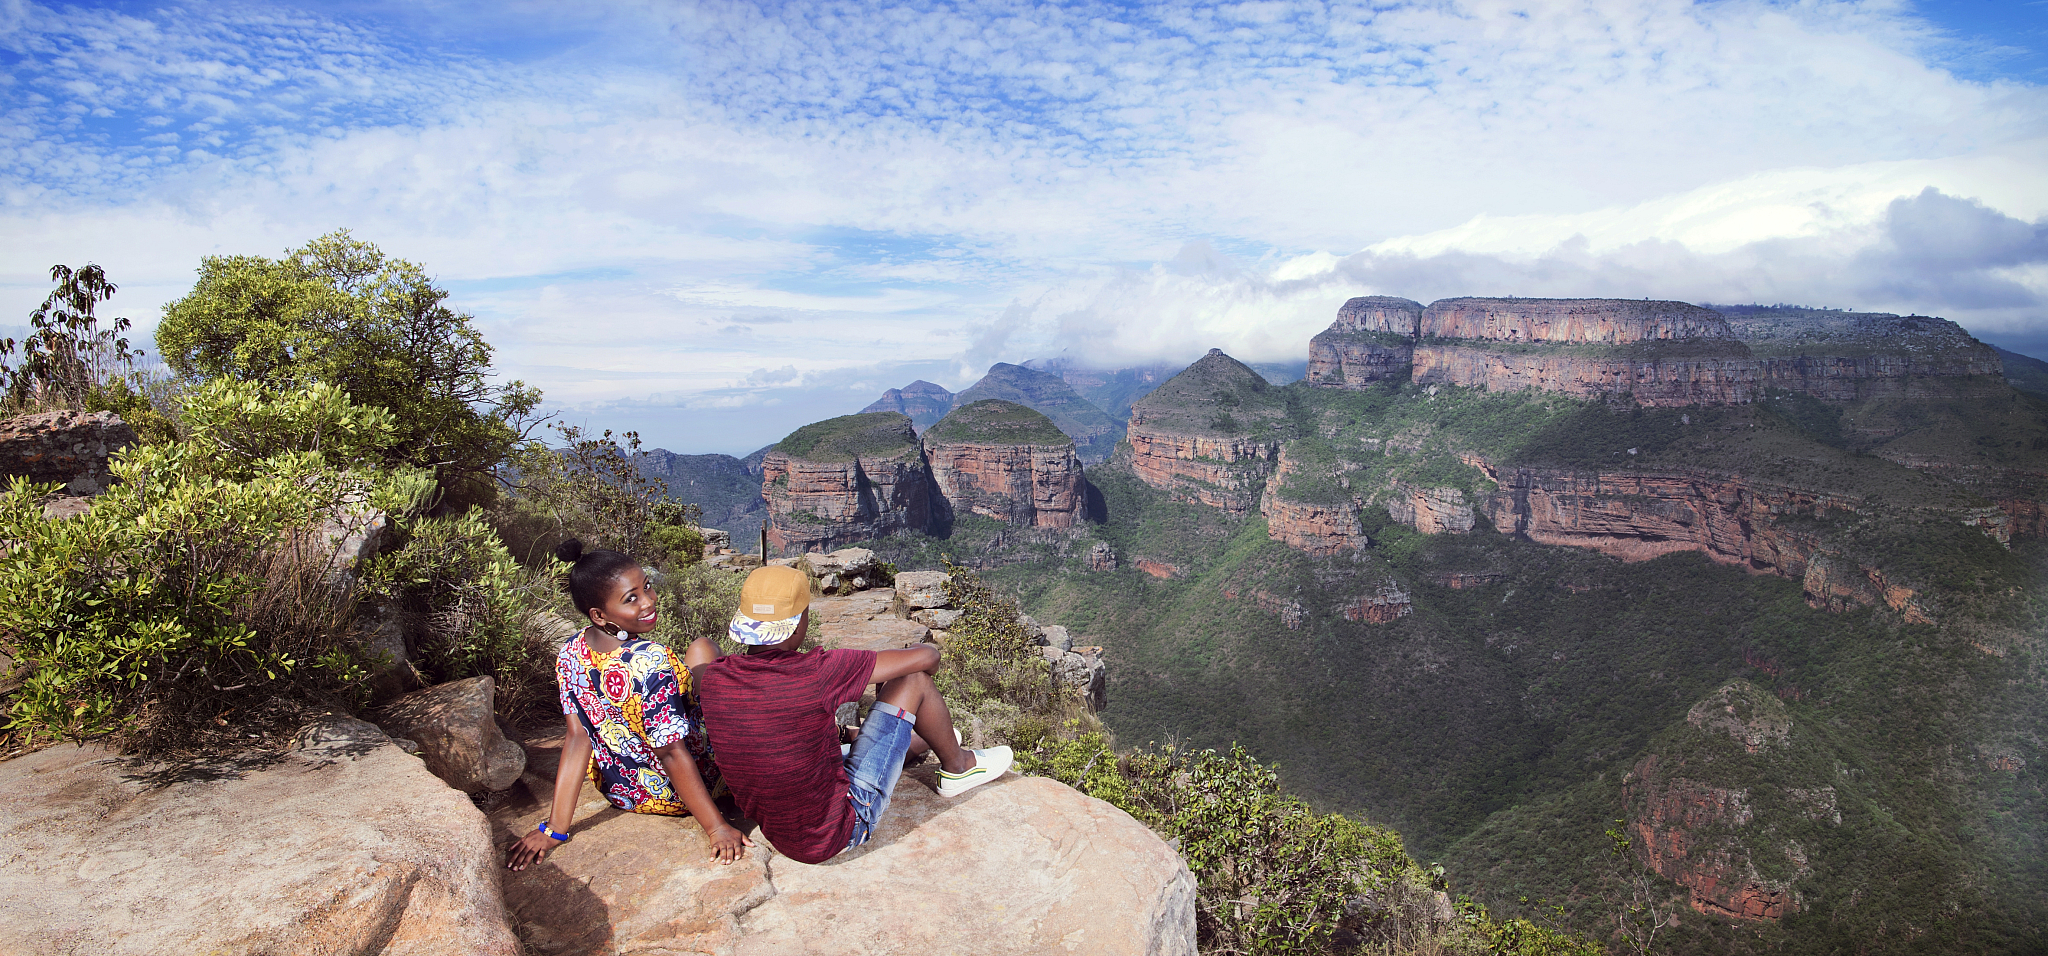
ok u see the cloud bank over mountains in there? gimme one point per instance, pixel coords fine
(714, 220)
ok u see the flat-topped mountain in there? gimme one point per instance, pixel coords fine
(1570, 320)
(846, 479)
(1005, 461)
(923, 401)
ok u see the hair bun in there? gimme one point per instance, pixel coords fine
(570, 550)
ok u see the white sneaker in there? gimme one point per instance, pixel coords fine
(988, 765)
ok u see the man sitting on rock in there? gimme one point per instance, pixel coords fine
(770, 715)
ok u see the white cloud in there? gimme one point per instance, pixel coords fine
(623, 208)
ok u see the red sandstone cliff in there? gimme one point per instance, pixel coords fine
(846, 479)
(1039, 486)
(821, 505)
(1570, 320)
(1682, 830)
(1201, 436)
(1321, 528)
(1728, 379)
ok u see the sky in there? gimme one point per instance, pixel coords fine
(715, 222)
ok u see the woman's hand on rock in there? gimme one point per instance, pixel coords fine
(531, 849)
(728, 844)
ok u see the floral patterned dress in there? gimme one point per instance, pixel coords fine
(632, 701)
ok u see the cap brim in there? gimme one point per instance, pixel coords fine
(754, 633)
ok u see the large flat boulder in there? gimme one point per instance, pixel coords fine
(344, 846)
(1024, 865)
(864, 621)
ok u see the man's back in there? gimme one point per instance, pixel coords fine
(769, 714)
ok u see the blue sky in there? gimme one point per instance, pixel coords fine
(714, 222)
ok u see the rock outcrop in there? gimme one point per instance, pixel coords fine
(1679, 828)
(1210, 434)
(1438, 510)
(1006, 461)
(1387, 604)
(457, 730)
(1032, 866)
(1373, 340)
(1326, 525)
(67, 448)
(847, 479)
(344, 845)
(1655, 353)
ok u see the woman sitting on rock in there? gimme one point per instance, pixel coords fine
(631, 719)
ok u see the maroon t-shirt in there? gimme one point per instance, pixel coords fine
(770, 720)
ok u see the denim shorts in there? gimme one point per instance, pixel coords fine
(874, 765)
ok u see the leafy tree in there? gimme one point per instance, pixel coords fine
(591, 487)
(69, 361)
(339, 311)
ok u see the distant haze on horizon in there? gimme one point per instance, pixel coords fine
(713, 222)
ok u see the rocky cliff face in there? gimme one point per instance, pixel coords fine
(1609, 321)
(1637, 516)
(848, 479)
(1008, 462)
(1210, 434)
(1658, 353)
(1674, 831)
(1730, 378)
(1321, 528)
(1430, 510)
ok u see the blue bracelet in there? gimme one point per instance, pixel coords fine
(550, 833)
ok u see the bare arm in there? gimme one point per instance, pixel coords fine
(726, 842)
(889, 665)
(534, 846)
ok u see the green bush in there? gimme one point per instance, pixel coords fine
(478, 611)
(205, 582)
(1272, 875)
(993, 672)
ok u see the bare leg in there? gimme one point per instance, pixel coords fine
(917, 694)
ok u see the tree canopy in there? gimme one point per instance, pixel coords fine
(339, 311)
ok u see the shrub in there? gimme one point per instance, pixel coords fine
(592, 488)
(1272, 875)
(992, 671)
(477, 611)
(205, 582)
(338, 311)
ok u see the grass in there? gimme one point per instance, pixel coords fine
(848, 437)
(998, 422)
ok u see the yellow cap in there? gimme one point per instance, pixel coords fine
(770, 603)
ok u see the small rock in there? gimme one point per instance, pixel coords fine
(61, 507)
(829, 582)
(859, 582)
(1085, 672)
(782, 562)
(458, 734)
(937, 618)
(1055, 635)
(715, 541)
(922, 589)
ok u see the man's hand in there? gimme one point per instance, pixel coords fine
(530, 849)
(727, 844)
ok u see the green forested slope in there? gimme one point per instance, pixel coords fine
(1495, 724)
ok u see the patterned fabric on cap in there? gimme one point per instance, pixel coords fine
(748, 631)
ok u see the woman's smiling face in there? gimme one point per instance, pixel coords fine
(629, 604)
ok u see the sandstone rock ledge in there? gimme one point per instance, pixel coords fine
(345, 846)
(1021, 865)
